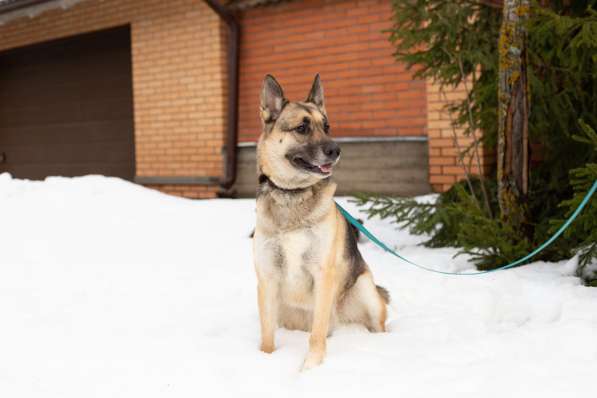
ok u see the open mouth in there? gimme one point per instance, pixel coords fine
(323, 169)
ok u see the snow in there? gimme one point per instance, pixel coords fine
(108, 289)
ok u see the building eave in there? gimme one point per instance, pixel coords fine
(7, 6)
(239, 5)
(15, 9)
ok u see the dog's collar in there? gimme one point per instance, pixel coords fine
(263, 179)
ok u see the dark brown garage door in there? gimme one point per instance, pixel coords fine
(66, 107)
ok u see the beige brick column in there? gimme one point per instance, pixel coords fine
(445, 168)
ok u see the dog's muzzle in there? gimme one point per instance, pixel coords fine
(318, 159)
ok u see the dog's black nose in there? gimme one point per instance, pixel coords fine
(331, 150)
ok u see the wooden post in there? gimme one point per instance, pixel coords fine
(513, 108)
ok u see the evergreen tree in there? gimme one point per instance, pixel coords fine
(450, 41)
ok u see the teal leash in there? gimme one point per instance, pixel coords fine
(548, 242)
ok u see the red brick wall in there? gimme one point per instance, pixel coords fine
(179, 78)
(446, 143)
(367, 92)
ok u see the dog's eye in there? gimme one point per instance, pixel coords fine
(301, 129)
(326, 127)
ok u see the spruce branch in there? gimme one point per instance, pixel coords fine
(473, 130)
(460, 158)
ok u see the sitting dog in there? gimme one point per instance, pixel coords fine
(310, 273)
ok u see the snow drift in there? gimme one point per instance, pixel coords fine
(109, 289)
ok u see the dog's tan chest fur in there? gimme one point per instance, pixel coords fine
(291, 247)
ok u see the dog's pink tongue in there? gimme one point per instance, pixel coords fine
(326, 168)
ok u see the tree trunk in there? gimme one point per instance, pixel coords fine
(513, 108)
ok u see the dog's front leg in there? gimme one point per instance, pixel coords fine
(267, 293)
(325, 291)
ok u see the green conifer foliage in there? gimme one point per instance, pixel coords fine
(584, 234)
(451, 40)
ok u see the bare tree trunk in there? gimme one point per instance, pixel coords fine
(513, 108)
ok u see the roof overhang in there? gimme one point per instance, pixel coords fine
(14, 9)
(13, 5)
(241, 5)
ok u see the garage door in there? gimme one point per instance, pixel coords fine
(66, 107)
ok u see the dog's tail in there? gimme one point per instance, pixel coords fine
(385, 295)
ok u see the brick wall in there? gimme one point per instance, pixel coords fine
(445, 142)
(367, 92)
(178, 78)
(178, 51)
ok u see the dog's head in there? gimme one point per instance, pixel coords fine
(295, 149)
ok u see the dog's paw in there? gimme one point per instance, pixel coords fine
(312, 360)
(267, 348)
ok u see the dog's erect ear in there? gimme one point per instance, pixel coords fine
(272, 99)
(316, 93)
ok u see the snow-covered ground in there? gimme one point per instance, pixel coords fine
(108, 289)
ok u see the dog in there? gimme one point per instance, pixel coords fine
(310, 273)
